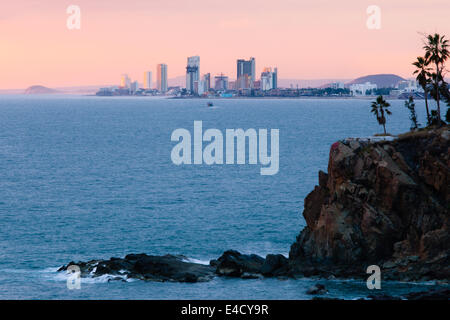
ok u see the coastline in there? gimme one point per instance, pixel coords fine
(313, 255)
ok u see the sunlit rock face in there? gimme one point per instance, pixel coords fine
(385, 203)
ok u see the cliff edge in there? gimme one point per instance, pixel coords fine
(385, 203)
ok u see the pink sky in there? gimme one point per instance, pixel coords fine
(304, 39)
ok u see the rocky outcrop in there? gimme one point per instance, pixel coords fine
(146, 267)
(385, 203)
(178, 268)
(234, 264)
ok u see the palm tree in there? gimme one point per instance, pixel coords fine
(436, 51)
(411, 106)
(379, 109)
(423, 78)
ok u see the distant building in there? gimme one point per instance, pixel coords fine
(207, 82)
(199, 87)
(275, 78)
(161, 77)
(192, 73)
(362, 89)
(245, 73)
(134, 87)
(266, 79)
(409, 86)
(244, 82)
(148, 80)
(125, 81)
(221, 82)
(269, 79)
(337, 85)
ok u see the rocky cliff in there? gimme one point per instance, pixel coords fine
(385, 203)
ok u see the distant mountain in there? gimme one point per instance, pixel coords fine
(381, 80)
(40, 90)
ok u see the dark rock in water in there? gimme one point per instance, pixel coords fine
(213, 263)
(247, 275)
(385, 203)
(317, 289)
(234, 264)
(275, 265)
(439, 294)
(176, 268)
(145, 267)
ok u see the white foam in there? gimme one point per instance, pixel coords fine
(192, 260)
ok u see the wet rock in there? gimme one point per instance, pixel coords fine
(275, 264)
(317, 289)
(146, 267)
(234, 264)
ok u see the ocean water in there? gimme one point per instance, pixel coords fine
(91, 177)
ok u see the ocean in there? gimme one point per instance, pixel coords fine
(86, 177)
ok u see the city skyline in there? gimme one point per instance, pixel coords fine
(305, 40)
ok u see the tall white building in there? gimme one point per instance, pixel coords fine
(269, 79)
(148, 80)
(192, 73)
(161, 77)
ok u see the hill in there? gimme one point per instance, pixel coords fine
(40, 90)
(381, 80)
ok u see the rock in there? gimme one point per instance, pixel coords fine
(247, 275)
(234, 264)
(385, 203)
(317, 289)
(275, 264)
(146, 267)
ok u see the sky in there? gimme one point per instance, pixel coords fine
(313, 39)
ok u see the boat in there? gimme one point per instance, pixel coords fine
(209, 104)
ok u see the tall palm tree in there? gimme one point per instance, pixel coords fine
(379, 109)
(423, 78)
(436, 51)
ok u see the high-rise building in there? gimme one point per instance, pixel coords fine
(275, 78)
(125, 81)
(192, 73)
(207, 81)
(266, 79)
(199, 87)
(148, 80)
(269, 79)
(161, 77)
(221, 82)
(246, 71)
